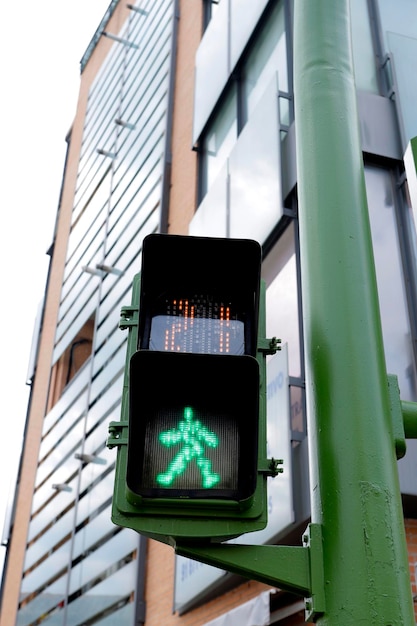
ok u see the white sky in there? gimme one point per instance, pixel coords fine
(41, 45)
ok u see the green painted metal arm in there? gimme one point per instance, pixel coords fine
(286, 567)
(298, 569)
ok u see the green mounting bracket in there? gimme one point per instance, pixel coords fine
(269, 346)
(128, 317)
(270, 467)
(298, 569)
(116, 438)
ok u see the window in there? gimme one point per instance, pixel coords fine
(244, 198)
(266, 59)
(390, 279)
(363, 53)
(70, 362)
(283, 315)
(282, 307)
(219, 141)
(209, 10)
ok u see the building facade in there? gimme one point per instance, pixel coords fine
(185, 124)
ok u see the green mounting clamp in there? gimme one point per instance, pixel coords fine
(128, 317)
(269, 346)
(315, 604)
(270, 467)
(115, 435)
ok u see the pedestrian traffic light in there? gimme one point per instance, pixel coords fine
(192, 440)
(193, 428)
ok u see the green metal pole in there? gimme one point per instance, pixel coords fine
(354, 480)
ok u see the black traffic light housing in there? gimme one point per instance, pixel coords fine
(205, 272)
(194, 397)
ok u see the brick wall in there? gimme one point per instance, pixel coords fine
(411, 534)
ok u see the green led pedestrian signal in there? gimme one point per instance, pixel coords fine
(189, 440)
(193, 438)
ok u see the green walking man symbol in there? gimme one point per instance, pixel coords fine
(194, 436)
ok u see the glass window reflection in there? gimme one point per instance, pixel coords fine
(220, 139)
(411, 226)
(254, 168)
(107, 593)
(404, 51)
(282, 316)
(398, 17)
(243, 15)
(391, 291)
(266, 61)
(98, 560)
(268, 56)
(363, 53)
(123, 616)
